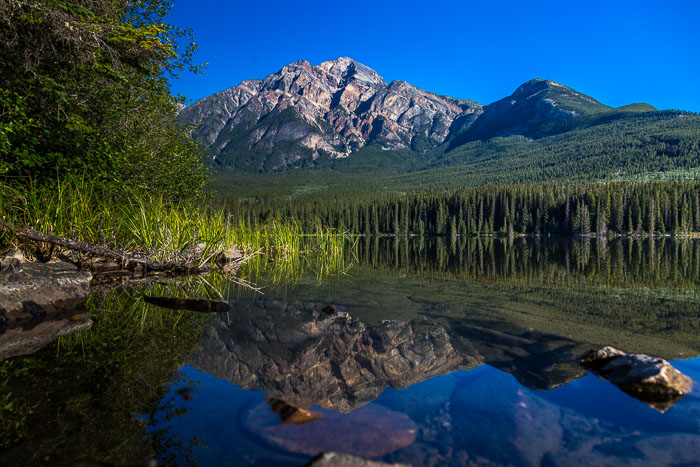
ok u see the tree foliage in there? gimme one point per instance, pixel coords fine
(84, 92)
(620, 208)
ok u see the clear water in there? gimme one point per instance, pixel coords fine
(434, 352)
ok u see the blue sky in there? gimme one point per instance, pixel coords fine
(619, 52)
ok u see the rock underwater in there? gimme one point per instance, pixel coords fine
(651, 380)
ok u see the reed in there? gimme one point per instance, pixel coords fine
(157, 227)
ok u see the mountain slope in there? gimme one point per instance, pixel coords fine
(304, 113)
(343, 116)
(533, 111)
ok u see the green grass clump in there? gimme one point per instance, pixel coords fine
(151, 225)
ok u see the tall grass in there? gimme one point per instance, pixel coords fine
(154, 226)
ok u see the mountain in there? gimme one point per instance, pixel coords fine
(531, 111)
(304, 113)
(343, 116)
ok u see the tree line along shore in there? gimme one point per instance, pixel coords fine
(619, 208)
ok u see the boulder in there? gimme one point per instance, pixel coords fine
(336, 459)
(652, 380)
(38, 289)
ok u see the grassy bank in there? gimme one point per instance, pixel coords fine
(150, 224)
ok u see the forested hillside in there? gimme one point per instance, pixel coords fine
(595, 209)
(611, 146)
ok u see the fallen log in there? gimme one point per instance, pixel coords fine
(125, 259)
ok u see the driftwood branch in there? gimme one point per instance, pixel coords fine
(124, 258)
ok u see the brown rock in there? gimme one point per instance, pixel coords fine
(292, 415)
(371, 430)
(652, 380)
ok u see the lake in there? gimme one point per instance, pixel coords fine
(423, 351)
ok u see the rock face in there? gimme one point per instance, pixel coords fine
(304, 112)
(306, 115)
(652, 380)
(34, 290)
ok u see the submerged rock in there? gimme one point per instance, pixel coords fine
(372, 430)
(38, 289)
(291, 415)
(336, 459)
(652, 380)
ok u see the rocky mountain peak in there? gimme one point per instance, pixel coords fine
(535, 110)
(535, 85)
(347, 68)
(304, 112)
(556, 94)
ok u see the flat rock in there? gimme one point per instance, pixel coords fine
(652, 380)
(38, 289)
(372, 431)
(337, 459)
(32, 336)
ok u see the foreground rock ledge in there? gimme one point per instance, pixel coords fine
(651, 380)
(33, 290)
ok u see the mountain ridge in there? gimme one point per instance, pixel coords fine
(306, 115)
(338, 107)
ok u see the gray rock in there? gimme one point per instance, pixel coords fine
(652, 380)
(12, 262)
(336, 459)
(27, 339)
(39, 289)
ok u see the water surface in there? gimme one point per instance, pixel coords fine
(423, 351)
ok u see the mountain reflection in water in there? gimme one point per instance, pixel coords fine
(476, 346)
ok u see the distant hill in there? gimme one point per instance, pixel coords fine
(342, 116)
